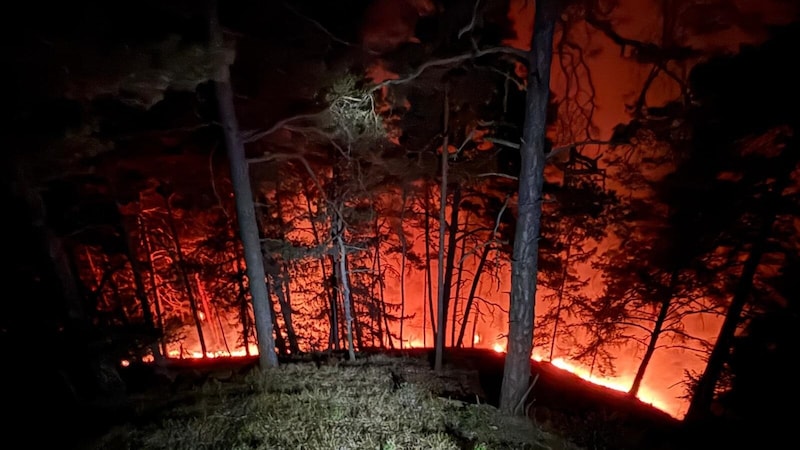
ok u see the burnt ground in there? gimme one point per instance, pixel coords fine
(589, 415)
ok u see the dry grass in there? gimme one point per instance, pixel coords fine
(364, 405)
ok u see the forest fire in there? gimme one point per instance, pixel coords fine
(298, 180)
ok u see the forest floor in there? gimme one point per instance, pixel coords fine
(385, 400)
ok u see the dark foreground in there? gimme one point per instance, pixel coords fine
(171, 408)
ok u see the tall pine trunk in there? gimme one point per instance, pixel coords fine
(245, 209)
(441, 301)
(524, 264)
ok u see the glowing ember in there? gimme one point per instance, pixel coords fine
(498, 348)
(124, 363)
(477, 339)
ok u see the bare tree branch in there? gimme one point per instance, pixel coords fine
(449, 61)
(319, 26)
(471, 25)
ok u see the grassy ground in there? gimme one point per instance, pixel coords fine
(377, 402)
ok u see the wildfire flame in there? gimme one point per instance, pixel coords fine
(620, 384)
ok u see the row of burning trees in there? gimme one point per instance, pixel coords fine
(183, 269)
(328, 211)
(177, 265)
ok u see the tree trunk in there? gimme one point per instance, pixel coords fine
(344, 282)
(294, 345)
(471, 297)
(403, 248)
(441, 319)
(358, 330)
(333, 335)
(245, 213)
(153, 285)
(428, 274)
(281, 289)
(524, 264)
(382, 313)
(207, 309)
(666, 302)
(141, 292)
(451, 254)
(185, 276)
(244, 311)
(457, 295)
(700, 405)
(280, 342)
(282, 279)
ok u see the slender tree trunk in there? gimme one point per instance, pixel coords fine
(141, 292)
(441, 304)
(403, 248)
(280, 288)
(457, 295)
(185, 276)
(524, 264)
(334, 306)
(145, 236)
(344, 282)
(452, 243)
(333, 335)
(244, 310)
(382, 313)
(358, 330)
(655, 333)
(222, 331)
(286, 309)
(472, 290)
(428, 272)
(378, 310)
(245, 211)
(475, 324)
(280, 342)
(700, 405)
(560, 293)
(424, 314)
(282, 284)
(208, 310)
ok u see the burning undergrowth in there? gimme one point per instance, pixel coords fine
(378, 402)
